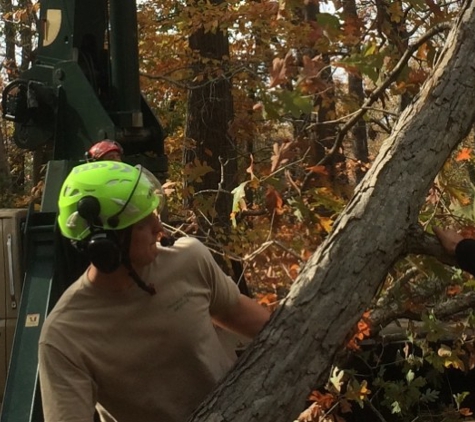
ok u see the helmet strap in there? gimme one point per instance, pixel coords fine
(149, 288)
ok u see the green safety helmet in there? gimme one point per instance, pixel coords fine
(106, 195)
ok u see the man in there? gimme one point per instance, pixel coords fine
(133, 337)
(108, 150)
(455, 245)
(105, 150)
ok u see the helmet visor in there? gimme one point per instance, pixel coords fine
(155, 187)
(145, 197)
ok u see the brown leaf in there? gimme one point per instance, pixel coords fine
(274, 201)
(465, 411)
(281, 68)
(318, 170)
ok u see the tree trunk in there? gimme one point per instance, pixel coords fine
(5, 181)
(273, 378)
(355, 90)
(210, 111)
(10, 65)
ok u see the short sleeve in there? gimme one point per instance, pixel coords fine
(67, 392)
(224, 291)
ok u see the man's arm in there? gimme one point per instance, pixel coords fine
(67, 392)
(456, 245)
(246, 317)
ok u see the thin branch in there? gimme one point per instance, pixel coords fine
(421, 243)
(378, 92)
(381, 317)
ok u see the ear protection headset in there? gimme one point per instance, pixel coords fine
(103, 247)
(105, 250)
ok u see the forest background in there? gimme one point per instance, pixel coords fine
(274, 113)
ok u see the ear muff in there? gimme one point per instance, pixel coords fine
(103, 247)
(104, 252)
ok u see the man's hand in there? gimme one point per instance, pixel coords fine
(247, 317)
(448, 238)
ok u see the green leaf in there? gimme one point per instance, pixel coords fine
(328, 20)
(395, 407)
(430, 396)
(295, 103)
(239, 193)
(460, 397)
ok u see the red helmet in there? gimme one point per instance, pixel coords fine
(98, 150)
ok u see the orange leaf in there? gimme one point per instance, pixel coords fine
(318, 169)
(324, 400)
(281, 68)
(363, 330)
(274, 201)
(468, 232)
(268, 299)
(453, 290)
(464, 154)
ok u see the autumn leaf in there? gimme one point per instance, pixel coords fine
(312, 68)
(326, 224)
(464, 154)
(363, 330)
(358, 392)
(274, 201)
(454, 362)
(239, 203)
(318, 170)
(267, 299)
(281, 69)
(444, 351)
(453, 290)
(336, 378)
(458, 194)
(324, 400)
(434, 196)
(313, 413)
(465, 411)
(468, 232)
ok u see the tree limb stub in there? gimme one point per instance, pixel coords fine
(273, 378)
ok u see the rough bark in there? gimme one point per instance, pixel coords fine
(359, 143)
(294, 352)
(5, 184)
(9, 62)
(210, 111)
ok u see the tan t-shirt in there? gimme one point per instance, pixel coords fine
(140, 358)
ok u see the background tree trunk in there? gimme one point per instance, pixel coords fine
(9, 62)
(294, 352)
(210, 111)
(5, 181)
(359, 143)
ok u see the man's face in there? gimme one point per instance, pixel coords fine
(143, 248)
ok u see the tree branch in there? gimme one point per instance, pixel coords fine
(378, 92)
(419, 242)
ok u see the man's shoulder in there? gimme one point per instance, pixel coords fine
(60, 312)
(190, 243)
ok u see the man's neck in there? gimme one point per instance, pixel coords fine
(116, 281)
